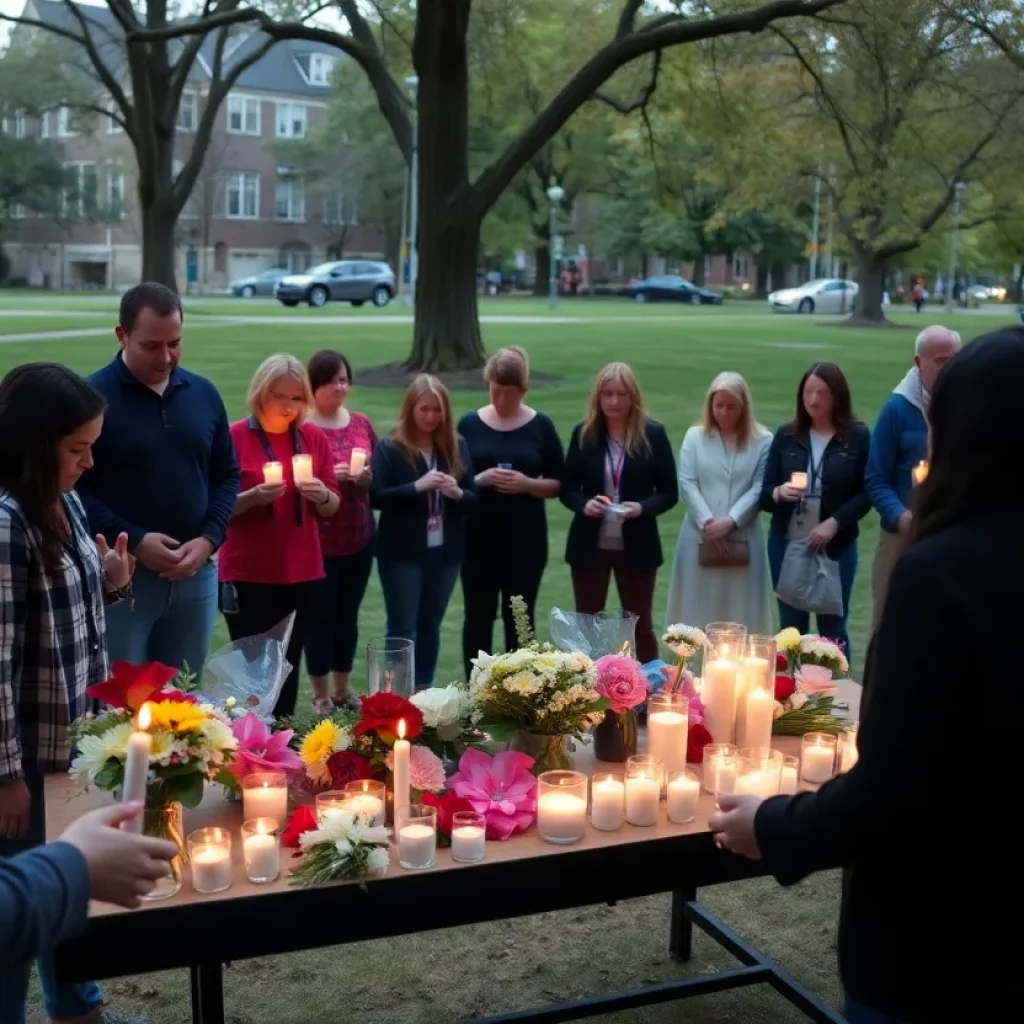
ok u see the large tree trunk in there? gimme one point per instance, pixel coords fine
(699, 275)
(158, 250)
(870, 278)
(447, 331)
(542, 259)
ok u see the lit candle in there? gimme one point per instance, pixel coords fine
(719, 768)
(799, 481)
(758, 783)
(668, 726)
(920, 472)
(757, 716)
(368, 798)
(401, 771)
(607, 795)
(642, 796)
(273, 473)
(718, 695)
(417, 845)
(561, 817)
(136, 767)
(302, 469)
(357, 462)
(209, 852)
(261, 850)
(817, 757)
(790, 775)
(753, 673)
(265, 795)
(683, 792)
(469, 837)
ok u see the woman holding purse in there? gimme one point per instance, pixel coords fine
(720, 571)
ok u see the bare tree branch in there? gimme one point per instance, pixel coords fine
(640, 103)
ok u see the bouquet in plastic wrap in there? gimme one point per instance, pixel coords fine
(593, 635)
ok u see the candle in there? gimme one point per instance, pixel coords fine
(718, 694)
(754, 672)
(920, 472)
(302, 469)
(561, 817)
(607, 796)
(668, 724)
(357, 462)
(469, 837)
(683, 792)
(719, 768)
(136, 767)
(261, 850)
(799, 481)
(790, 775)
(265, 795)
(817, 757)
(273, 473)
(209, 852)
(642, 796)
(758, 783)
(332, 800)
(401, 771)
(758, 717)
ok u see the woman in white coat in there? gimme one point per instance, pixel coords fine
(720, 572)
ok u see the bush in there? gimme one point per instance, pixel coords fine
(5, 265)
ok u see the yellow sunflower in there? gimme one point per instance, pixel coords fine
(177, 716)
(318, 746)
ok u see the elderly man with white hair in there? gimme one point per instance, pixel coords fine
(899, 442)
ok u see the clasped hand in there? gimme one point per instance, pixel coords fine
(435, 480)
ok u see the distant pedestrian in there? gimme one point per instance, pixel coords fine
(918, 295)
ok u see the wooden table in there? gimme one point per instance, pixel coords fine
(522, 876)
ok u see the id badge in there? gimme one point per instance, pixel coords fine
(435, 531)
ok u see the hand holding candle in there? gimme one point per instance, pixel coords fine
(136, 767)
(302, 469)
(798, 481)
(273, 473)
(357, 463)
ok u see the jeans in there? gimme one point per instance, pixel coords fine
(416, 595)
(169, 622)
(334, 628)
(857, 1013)
(62, 999)
(832, 626)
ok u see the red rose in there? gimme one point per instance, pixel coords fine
(781, 663)
(381, 714)
(347, 766)
(447, 805)
(785, 686)
(697, 740)
(303, 820)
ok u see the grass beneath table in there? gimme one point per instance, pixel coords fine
(445, 977)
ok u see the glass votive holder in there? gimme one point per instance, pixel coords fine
(790, 778)
(668, 728)
(848, 755)
(416, 833)
(682, 791)
(469, 837)
(265, 795)
(369, 797)
(818, 756)
(332, 800)
(561, 806)
(261, 849)
(209, 853)
(302, 469)
(758, 771)
(719, 768)
(644, 775)
(607, 801)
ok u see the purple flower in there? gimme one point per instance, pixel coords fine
(500, 788)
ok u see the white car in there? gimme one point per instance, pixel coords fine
(824, 295)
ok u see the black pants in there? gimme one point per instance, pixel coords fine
(492, 573)
(261, 606)
(334, 631)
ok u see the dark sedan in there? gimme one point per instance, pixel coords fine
(258, 284)
(669, 288)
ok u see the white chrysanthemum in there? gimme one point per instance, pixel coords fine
(375, 834)
(523, 683)
(777, 710)
(95, 751)
(343, 739)
(343, 846)
(518, 659)
(217, 735)
(797, 700)
(165, 746)
(378, 860)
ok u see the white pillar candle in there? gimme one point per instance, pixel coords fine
(357, 462)
(723, 774)
(718, 695)
(302, 469)
(607, 797)
(642, 796)
(136, 767)
(561, 817)
(266, 801)
(787, 786)
(752, 674)
(417, 845)
(262, 857)
(757, 717)
(799, 481)
(401, 771)
(273, 473)
(817, 761)
(683, 793)
(667, 732)
(469, 842)
(757, 783)
(211, 868)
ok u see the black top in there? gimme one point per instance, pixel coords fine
(402, 529)
(843, 494)
(534, 449)
(649, 479)
(912, 821)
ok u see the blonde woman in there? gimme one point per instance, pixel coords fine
(619, 476)
(271, 561)
(423, 485)
(720, 572)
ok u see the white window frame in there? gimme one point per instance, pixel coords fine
(44, 125)
(115, 176)
(290, 112)
(338, 198)
(320, 67)
(113, 127)
(242, 104)
(64, 120)
(189, 101)
(296, 207)
(80, 166)
(19, 124)
(238, 180)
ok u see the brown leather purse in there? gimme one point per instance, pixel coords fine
(734, 554)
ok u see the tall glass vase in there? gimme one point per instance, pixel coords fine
(165, 819)
(549, 753)
(390, 666)
(615, 737)
(722, 657)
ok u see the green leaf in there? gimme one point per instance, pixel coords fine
(110, 776)
(186, 789)
(226, 779)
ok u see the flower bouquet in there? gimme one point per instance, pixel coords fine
(685, 642)
(806, 669)
(344, 845)
(536, 696)
(449, 720)
(622, 683)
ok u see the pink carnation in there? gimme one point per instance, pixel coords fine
(620, 681)
(500, 788)
(426, 770)
(815, 681)
(262, 750)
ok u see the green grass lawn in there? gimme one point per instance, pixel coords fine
(675, 353)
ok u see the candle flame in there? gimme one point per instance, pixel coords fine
(920, 472)
(145, 717)
(401, 728)
(366, 786)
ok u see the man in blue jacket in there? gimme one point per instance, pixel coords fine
(165, 474)
(899, 441)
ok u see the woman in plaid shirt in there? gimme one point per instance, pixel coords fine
(54, 581)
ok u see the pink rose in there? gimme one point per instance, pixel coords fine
(815, 681)
(620, 682)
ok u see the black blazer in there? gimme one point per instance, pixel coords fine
(843, 493)
(402, 528)
(649, 480)
(927, 849)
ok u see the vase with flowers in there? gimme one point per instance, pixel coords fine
(621, 682)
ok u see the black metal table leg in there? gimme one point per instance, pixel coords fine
(207, 993)
(680, 942)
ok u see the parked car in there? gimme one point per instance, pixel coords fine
(355, 281)
(823, 295)
(669, 288)
(258, 284)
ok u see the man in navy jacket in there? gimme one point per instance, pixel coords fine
(899, 442)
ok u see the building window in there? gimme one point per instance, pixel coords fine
(115, 195)
(243, 115)
(19, 124)
(320, 67)
(291, 120)
(18, 212)
(67, 123)
(339, 210)
(113, 112)
(188, 111)
(243, 196)
(44, 125)
(81, 191)
(290, 199)
(294, 260)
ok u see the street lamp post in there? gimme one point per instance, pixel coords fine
(555, 196)
(958, 189)
(412, 84)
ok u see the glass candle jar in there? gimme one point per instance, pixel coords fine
(682, 791)
(668, 726)
(790, 778)
(720, 678)
(332, 800)
(719, 773)
(607, 801)
(302, 469)
(644, 775)
(265, 795)
(758, 771)
(469, 837)
(367, 797)
(818, 756)
(416, 834)
(755, 692)
(209, 853)
(261, 849)
(562, 806)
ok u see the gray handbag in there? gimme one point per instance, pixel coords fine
(809, 580)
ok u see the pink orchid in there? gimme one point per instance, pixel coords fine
(500, 788)
(815, 681)
(262, 750)
(620, 681)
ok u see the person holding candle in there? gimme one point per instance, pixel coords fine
(720, 571)
(423, 484)
(272, 562)
(899, 442)
(902, 820)
(55, 580)
(825, 440)
(346, 538)
(518, 459)
(620, 475)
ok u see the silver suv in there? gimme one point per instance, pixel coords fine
(355, 281)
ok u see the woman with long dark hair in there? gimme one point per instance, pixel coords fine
(55, 579)
(827, 446)
(908, 823)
